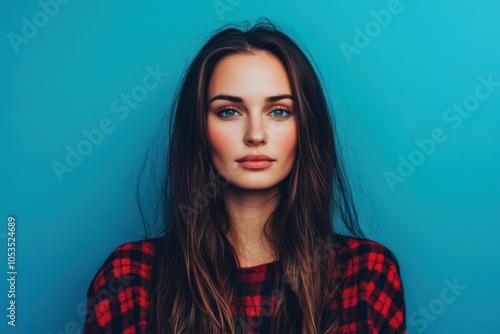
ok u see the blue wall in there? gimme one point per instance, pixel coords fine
(428, 170)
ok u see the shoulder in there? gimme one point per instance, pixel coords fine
(364, 255)
(126, 260)
(117, 298)
(372, 289)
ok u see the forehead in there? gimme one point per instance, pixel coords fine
(249, 74)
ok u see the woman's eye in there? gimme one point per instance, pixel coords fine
(280, 112)
(227, 112)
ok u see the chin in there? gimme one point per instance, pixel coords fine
(257, 185)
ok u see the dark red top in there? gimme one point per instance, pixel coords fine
(371, 291)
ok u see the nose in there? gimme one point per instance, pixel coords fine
(256, 132)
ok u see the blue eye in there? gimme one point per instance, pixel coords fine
(229, 112)
(281, 112)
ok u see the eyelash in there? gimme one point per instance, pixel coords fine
(283, 108)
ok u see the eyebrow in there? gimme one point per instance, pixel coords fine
(237, 99)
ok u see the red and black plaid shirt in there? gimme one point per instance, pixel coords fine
(372, 299)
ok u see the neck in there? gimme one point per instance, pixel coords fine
(249, 210)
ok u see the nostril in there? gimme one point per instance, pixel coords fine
(255, 140)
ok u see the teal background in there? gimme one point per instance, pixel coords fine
(441, 222)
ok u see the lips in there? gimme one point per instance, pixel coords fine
(255, 157)
(255, 162)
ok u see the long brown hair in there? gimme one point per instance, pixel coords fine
(193, 276)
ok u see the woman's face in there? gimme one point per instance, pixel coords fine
(251, 112)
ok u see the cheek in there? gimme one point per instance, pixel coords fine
(220, 140)
(288, 141)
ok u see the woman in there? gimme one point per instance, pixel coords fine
(253, 182)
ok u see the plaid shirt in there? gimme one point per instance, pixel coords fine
(372, 299)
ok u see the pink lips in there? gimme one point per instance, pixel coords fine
(256, 161)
